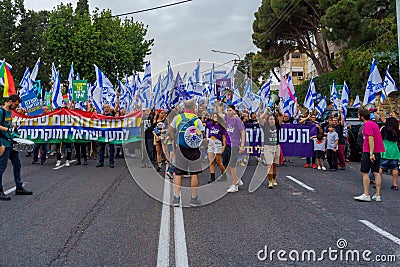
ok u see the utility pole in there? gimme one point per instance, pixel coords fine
(398, 29)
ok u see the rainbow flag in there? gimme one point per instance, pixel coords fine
(8, 80)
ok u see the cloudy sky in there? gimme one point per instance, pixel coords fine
(184, 33)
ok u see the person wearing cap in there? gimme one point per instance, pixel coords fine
(11, 104)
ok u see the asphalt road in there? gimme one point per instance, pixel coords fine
(87, 216)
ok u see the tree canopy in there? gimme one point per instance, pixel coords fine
(65, 36)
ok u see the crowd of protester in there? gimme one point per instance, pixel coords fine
(223, 149)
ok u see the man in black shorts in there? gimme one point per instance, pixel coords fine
(188, 161)
(370, 159)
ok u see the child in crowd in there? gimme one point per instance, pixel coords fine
(319, 148)
(332, 146)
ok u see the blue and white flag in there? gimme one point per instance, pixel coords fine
(389, 85)
(357, 103)
(53, 72)
(345, 99)
(146, 82)
(321, 107)
(194, 87)
(56, 97)
(236, 98)
(247, 96)
(374, 84)
(35, 70)
(26, 78)
(70, 79)
(101, 79)
(311, 93)
(333, 98)
(96, 93)
(230, 74)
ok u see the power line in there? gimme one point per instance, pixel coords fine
(148, 9)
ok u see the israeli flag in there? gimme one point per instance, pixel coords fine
(389, 85)
(333, 98)
(53, 72)
(374, 84)
(321, 107)
(311, 93)
(96, 93)
(101, 79)
(265, 90)
(345, 99)
(146, 83)
(194, 87)
(247, 96)
(27, 85)
(236, 98)
(70, 79)
(56, 97)
(26, 78)
(35, 70)
(357, 103)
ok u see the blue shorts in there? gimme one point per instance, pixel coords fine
(389, 164)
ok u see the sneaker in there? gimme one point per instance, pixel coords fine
(58, 164)
(111, 165)
(363, 198)
(274, 183)
(22, 191)
(4, 197)
(314, 166)
(170, 175)
(159, 169)
(35, 162)
(319, 168)
(323, 168)
(394, 187)
(242, 164)
(232, 189)
(99, 165)
(377, 198)
(67, 164)
(194, 201)
(240, 183)
(306, 165)
(177, 201)
(270, 185)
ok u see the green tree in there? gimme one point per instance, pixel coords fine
(10, 12)
(283, 26)
(31, 45)
(117, 47)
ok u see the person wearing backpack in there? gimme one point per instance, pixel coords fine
(12, 103)
(188, 131)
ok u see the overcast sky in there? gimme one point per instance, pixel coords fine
(184, 33)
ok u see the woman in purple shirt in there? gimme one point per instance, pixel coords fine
(216, 144)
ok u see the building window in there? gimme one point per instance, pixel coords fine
(296, 55)
(297, 73)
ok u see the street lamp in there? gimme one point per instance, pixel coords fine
(229, 53)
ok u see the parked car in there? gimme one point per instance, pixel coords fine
(353, 123)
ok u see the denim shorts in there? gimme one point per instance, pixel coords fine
(389, 164)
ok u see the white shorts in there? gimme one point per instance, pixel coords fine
(271, 154)
(214, 146)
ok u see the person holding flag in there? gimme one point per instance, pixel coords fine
(11, 104)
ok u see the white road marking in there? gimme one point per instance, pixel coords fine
(300, 183)
(381, 231)
(181, 258)
(63, 165)
(164, 237)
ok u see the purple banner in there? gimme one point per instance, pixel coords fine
(295, 140)
(254, 139)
